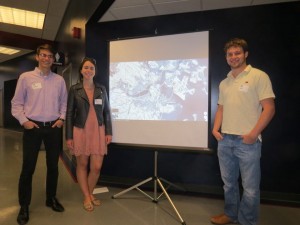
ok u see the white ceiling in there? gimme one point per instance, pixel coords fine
(120, 10)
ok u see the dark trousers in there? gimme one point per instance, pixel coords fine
(32, 140)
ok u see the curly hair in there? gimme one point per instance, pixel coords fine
(236, 42)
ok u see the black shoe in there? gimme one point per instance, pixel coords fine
(23, 215)
(55, 205)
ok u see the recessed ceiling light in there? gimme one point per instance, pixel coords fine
(8, 51)
(21, 17)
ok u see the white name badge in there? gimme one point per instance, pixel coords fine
(98, 101)
(36, 86)
(244, 88)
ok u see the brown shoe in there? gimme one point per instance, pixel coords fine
(221, 219)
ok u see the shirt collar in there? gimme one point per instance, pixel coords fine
(244, 73)
(40, 73)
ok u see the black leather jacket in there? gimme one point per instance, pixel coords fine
(78, 108)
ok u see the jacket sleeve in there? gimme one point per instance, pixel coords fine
(70, 114)
(107, 113)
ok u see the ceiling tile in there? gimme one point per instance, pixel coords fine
(222, 4)
(133, 12)
(260, 2)
(127, 3)
(173, 7)
(107, 17)
(33, 5)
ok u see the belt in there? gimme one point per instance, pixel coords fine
(44, 124)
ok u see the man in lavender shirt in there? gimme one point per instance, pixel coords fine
(39, 104)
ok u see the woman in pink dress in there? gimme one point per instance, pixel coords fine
(88, 129)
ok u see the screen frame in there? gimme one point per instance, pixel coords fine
(207, 149)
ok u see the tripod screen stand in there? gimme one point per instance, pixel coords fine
(158, 181)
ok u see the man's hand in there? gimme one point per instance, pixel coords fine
(29, 125)
(249, 138)
(217, 135)
(58, 123)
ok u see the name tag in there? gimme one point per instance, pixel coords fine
(98, 101)
(244, 88)
(36, 86)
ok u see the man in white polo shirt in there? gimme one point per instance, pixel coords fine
(245, 108)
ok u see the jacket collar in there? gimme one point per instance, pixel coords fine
(81, 92)
(80, 85)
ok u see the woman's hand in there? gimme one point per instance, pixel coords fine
(108, 139)
(70, 144)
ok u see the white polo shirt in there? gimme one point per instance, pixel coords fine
(240, 98)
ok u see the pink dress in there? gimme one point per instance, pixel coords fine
(91, 139)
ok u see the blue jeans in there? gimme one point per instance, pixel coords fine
(237, 158)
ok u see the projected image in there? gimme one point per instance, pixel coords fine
(159, 90)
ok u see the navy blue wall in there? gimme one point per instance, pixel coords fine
(273, 35)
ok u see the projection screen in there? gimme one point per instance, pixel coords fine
(158, 90)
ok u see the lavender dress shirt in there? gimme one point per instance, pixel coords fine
(38, 97)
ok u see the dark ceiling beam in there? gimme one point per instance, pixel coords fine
(22, 41)
(100, 11)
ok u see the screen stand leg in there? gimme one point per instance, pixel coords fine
(158, 181)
